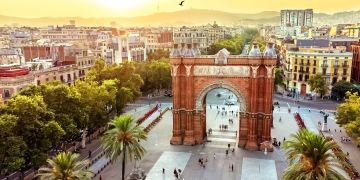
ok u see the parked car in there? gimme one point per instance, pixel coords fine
(168, 93)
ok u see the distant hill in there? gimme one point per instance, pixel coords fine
(184, 17)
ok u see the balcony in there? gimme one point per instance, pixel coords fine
(324, 65)
(345, 66)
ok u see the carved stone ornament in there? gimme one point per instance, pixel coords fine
(188, 70)
(174, 70)
(254, 71)
(269, 71)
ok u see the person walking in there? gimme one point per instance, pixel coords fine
(163, 170)
(280, 119)
(232, 167)
(214, 156)
(89, 153)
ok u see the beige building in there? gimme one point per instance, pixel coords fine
(302, 63)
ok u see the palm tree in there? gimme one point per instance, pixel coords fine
(311, 157)
(124, 137)
(65, 166)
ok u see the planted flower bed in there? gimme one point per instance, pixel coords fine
(149, 113)
(299, 121)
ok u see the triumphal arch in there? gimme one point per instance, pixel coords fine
(250, 77)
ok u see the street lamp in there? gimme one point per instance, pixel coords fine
(265, 151)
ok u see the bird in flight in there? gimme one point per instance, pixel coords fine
(181, 3)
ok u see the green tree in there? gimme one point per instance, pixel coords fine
(348, 114)
(318, 84)
(124, 137)
(158, 54)
(95, 100)
(125, 76)
(310, 156)
(36, 125)
(65, 166)
(12, 147)
(63, 101)
(279, 77)
(340, 88)
(160, 74)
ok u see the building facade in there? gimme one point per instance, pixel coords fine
(333, 64)
(291, 18)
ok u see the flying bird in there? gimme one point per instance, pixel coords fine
(181, 3)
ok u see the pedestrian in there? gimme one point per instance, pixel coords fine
(340, 130)
(236, 133)
(214, 156)
(284, 139)
(163, 170)
(179, 170)
(100, 178)
(229, 146)
(280, 119)
(233, 150)
(227, 152)
(175, 173)
(89, 153)
(329, 130)
(335, 130)
(309, 109)
(279, 143)
(232, 167)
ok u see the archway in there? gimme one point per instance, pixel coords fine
(222, 109)
(250, 78)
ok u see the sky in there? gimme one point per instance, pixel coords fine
(112, 8)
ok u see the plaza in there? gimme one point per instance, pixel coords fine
(247, 164)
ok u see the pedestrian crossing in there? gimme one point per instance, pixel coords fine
(221, 139)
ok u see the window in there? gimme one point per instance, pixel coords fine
(314, 70)
(324, 71)
(54, 78)
(6, 93)
(38, 82)
(314, 62)
(61, 78)
(295, 68)
(294, 84)
(344, 72)
(335, 71)
(300, 77)
(306, 77)
(295, 77)
(307, 69)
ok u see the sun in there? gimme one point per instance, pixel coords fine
(125, 5)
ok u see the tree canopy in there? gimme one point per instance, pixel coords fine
(236, 43)
(318, 84)
(348, 114)
(340, 88)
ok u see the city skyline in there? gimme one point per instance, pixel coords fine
(112, 8)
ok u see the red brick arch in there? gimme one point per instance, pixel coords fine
(251, 78)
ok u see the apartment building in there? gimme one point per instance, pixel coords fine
(302, 63)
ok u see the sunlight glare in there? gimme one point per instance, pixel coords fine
(121, 4)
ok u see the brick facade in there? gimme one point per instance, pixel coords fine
(254, 90)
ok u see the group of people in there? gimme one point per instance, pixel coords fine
(223, 127)
(231, 121)
(345, 139)
(177, 173)
(210, 131)
(202, 163)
